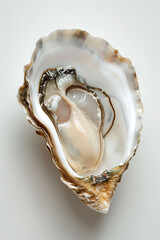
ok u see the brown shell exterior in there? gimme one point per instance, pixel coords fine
(95, 196)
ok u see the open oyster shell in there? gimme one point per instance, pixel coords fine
(83, 97)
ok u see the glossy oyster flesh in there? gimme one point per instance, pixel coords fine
(83, 97)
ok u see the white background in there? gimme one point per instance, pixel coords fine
(34, 203)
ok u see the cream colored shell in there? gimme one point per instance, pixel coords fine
(95, 60)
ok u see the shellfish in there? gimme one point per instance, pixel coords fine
(83, 97)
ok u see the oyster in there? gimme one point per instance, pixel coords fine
(83, 97)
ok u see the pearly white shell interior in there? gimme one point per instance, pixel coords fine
(115, 78)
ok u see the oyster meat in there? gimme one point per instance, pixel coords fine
(83, 97)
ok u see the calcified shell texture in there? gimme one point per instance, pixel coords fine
(83, 97)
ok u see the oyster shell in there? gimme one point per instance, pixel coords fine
(83, 97)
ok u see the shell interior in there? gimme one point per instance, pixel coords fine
(83, 97)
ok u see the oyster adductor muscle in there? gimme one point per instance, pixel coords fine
(83, 97)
